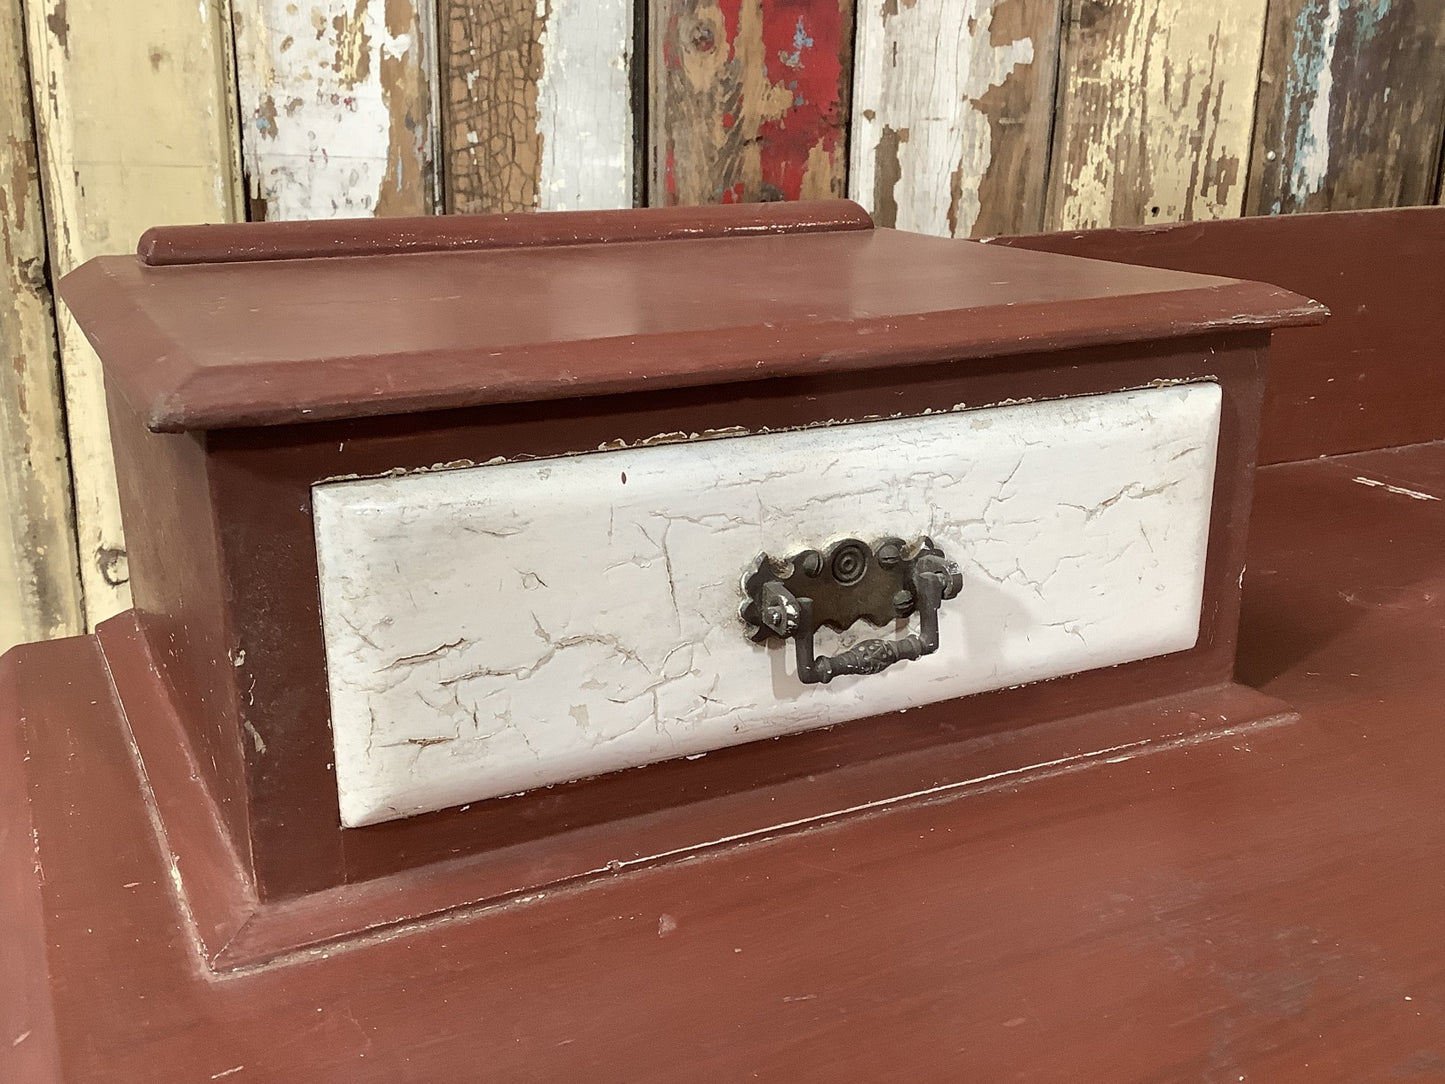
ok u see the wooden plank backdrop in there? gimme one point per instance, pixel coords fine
(337, 110)
(39, 583)
(1350, 101)
(538, 105)
(962, 118)
(134, 111)
(748, 99)
(956, 99)
(1155, 111)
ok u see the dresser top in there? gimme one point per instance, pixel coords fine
(266, 324)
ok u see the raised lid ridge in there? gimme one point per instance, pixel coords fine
(246, 242)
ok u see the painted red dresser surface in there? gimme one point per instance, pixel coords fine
(1118, 867)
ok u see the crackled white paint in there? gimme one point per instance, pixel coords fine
(497, 628)
(584, 105)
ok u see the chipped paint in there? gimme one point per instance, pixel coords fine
(539, 105)
(355, 134)
(749, 100)
(105, 99)
(39, 577)
(678, 436)
(1401, 490)
(494, 143)
(1310, 83)
(584, 106)
(952, 111)
(1350, 105)
(1157, 113)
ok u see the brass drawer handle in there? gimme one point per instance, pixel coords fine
(838, 586)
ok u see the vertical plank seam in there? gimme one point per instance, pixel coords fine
(638, 83)
(440, 165)
(237, 189)
(1252, 145)
(654, 187)
(1440, 158)
(246, 210)
(1057, 97)
(846, 139)
(1052, 198)
(72, 558)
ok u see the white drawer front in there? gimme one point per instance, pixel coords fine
(497, 628)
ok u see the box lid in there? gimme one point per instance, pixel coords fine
(275, 323)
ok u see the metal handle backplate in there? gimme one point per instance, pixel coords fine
(845, 583)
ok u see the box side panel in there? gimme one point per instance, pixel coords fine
(181, 598)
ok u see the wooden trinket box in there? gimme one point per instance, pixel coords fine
(476, 556)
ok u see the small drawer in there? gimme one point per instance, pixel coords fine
(498, 628)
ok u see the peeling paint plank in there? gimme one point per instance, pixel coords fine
(135, 121)
(952, 110)
(39, 577)
(538, 105)
(337, 107)
(748, 99)
(1350, 105)
(1156, 110)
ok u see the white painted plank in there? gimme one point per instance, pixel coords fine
(539, 105)
(39, 579)
(135, 117)
(951, 113)
(503, 627)
(1350, 106)
(584, 106)
(337, 106)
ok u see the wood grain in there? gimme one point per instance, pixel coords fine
(1156, 107)
(337, 106)
(39, 578)
(952, 110)
(748, 99)
(538, 105)
(134, 112)
(1350, 105)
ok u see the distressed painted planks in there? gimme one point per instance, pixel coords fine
(1155, 112)
(748, 99)
(135, 120)
(39, 580)
(1350, 106)
(952, 110)
(337, 110)
(538, 105)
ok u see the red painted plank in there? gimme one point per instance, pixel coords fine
(750, 99)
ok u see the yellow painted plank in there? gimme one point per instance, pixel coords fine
(1156, 111)
(39, 580)
(952, 112)
(135, 120)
